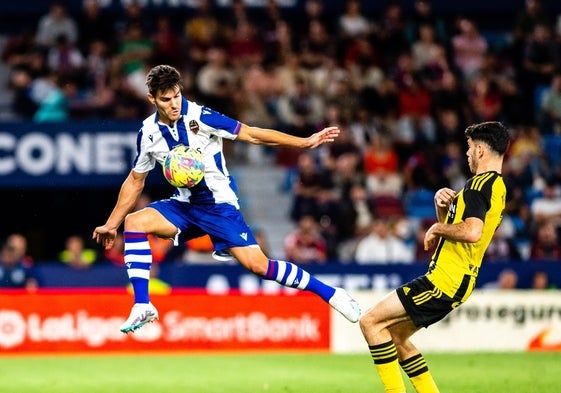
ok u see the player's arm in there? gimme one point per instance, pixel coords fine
(268, 137)
(128, 195)
(468, 231)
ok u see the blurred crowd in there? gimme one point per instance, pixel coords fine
(402, 87)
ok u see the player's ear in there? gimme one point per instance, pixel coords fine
(151, 98)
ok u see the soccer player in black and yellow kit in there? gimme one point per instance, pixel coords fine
(466, 223)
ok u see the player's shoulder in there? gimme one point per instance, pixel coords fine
(149, 122)
(483, 181)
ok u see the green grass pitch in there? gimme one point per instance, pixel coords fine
(269, 372)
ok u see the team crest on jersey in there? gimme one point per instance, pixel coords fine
(194, 126)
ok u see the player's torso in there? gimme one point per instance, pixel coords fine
(158, 139)
(455, 265)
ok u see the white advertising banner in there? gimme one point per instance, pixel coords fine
(491, 320)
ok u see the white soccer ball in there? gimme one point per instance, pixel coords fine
(183, 167)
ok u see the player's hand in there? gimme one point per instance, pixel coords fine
(326, 135)
(430, 237)
(444, 197)
(104, 236)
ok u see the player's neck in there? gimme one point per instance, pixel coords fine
(490, 166)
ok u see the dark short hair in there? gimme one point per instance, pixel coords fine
(493, 133)
(161, 78)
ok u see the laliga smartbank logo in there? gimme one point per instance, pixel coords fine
(174, 326)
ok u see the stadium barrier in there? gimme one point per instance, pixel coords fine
(88, 321)
(78, 321)
(491, 320)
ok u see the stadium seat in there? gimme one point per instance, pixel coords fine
(420, 204)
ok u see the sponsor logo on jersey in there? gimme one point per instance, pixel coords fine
(243, 235)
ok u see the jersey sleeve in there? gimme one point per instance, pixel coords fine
(221, 125)
(477, 204)
(143, 161)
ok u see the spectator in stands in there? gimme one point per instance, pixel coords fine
(390, 33)
(448, 128)
(305, 244)
(132, 13)
(65, 58)
(550, 107)
(53, 100)
(364, 127)
(95, 23)
(547, 206)
(485, 98)
(134, 54)
(167, 43)
(425, 47)
(15, 265)
(316, 44)
(381, 168)
(508, 279)
(307, 182)
(382, 246)
(201, 32)
(416, 124)
(314, 10)
(352, 22)
(301, 101)
(532, 15)
(469, 48)
(451, 95)
(540, 59)
(502, 247)
(546, 244)
(18, 47)
(213, 77)
(21, 85)
(246, 46)
(452, 165)
(423, 14)
(55, 23)
(76, 254)
(363, 65)
(540, 281)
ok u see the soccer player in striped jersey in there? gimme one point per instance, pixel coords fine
(211, 207)
(466, 223)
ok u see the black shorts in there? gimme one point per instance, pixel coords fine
(424, 303)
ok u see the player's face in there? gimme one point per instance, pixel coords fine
(168, 104)
(472, 156)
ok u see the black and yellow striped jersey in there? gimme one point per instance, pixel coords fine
(454, 265)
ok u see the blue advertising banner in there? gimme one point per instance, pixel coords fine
(73, 154)
(223, 278)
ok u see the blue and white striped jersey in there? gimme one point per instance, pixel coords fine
(201, 128)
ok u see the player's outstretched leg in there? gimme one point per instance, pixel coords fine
(290, 275)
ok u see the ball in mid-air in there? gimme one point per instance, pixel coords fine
(183, 167)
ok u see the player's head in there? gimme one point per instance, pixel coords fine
(493, 133)
(164, 91)
(161, 78)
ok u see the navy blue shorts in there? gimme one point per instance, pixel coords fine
(223, 222)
